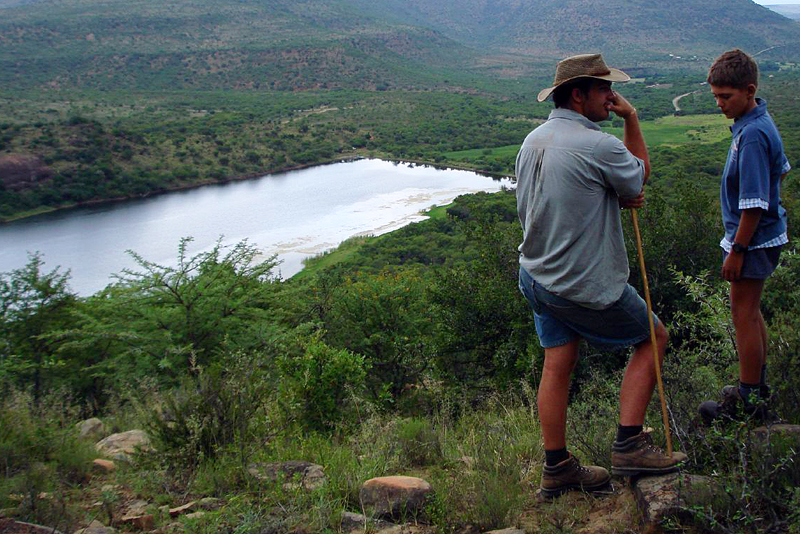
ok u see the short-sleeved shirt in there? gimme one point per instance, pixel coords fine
(570, 176)
(752, 179)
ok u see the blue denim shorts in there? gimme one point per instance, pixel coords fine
(559, 321)
(759, 263)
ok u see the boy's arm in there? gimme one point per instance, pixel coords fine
(732, 267)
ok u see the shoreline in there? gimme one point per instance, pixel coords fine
(251, 176)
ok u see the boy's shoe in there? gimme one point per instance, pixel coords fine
(733, 407)
(638, 456)
(569, 475)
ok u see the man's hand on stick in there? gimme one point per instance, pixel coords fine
(633, 202)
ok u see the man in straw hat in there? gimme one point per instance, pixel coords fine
(572, 181)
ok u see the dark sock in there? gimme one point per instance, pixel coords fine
(553, 458)
(763, 381)
(625, 432)
(750, 393)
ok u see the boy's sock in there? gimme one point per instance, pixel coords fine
(625, 432)
(750, 393)
(555, 457)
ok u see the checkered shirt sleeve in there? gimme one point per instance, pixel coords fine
(747, 203)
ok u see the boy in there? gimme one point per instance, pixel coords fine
(755, 226)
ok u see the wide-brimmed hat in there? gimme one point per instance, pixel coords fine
(583, 66)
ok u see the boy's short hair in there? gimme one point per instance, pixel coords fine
(733, 68)
(563, 92)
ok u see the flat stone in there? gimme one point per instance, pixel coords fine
(10, 525)
(91, 429)
(195, 515)
(103, 466)
(141, 522)
(96, 527)
(394, 496)
(667, 495)
(121, 446)
(309, 476)
(180, 510)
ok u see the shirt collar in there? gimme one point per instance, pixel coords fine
(758, 111)
(564, 113)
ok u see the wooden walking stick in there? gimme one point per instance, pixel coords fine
(635, 217)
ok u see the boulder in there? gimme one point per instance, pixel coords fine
(136, 508)
(668, 495)
(96, 527)
(121, 446)
(91, 429)
(103, 466)
(394, 496)
(295, 473)
(784, 432)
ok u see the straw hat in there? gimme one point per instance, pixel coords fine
(583, 66)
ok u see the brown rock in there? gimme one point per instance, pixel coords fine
(668, 495)
(180, 510)
(103, 466)
(121, 446)
(350, 522)
(20, 527)
(141, 522)
(394, 496)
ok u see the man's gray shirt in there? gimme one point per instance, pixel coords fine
(570, 176)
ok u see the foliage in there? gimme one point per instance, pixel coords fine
(320, 386)
(33, 303)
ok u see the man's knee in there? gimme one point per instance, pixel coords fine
(662, 335)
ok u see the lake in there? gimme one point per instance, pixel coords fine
(296, 215)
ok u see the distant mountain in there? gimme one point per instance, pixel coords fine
(623, 28)
(791, 11)
(365, 44)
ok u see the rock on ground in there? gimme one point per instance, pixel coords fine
(91, 429)
(309, 476)
(350, 522)
(506, 531)
(121, 446)
(96, 527)
(10, 526)
(394, 496)
(103, 466)
(661, 496)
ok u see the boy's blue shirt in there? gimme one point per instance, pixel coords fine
(752, 179)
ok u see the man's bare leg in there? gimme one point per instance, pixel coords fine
(751, 332)
(553, 395)
(640, 379)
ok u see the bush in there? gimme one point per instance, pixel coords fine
(317, 386)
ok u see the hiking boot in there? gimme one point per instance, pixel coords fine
(569, 475)
(638, 456)
(733, 407)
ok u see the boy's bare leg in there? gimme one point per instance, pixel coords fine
(751, 332)
(640, 379)
(553, 394)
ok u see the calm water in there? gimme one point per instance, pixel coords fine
(295, 215)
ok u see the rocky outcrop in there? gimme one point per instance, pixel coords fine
(22, 171)
(394, 496)
(121, 446)
(293, 473)
(668, 495)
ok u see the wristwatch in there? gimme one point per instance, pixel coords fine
(738, 248)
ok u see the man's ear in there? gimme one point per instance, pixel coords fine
(577, 95)
(751, 90)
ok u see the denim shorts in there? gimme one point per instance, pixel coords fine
(559, 321)
(759, 263)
